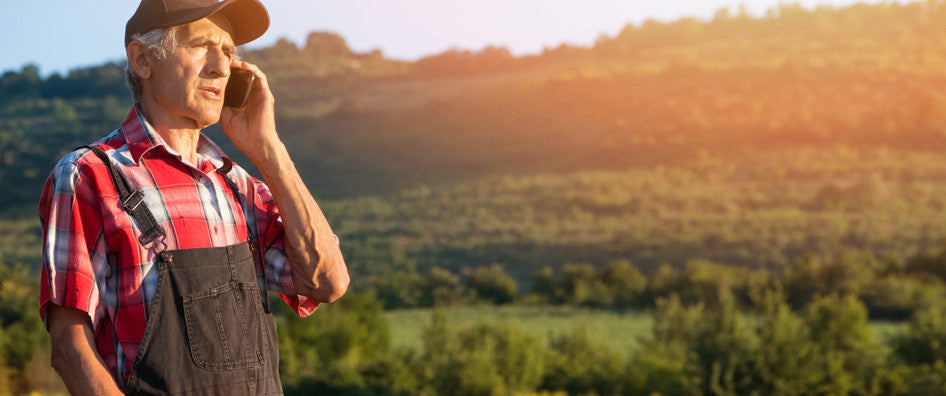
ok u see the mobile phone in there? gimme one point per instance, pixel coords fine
(238, 88)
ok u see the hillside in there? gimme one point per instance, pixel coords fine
(761, 186)
(736, 107)
(865, 76)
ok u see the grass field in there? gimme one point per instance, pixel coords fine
(621, 330)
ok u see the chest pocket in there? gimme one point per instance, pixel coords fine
(221, 330)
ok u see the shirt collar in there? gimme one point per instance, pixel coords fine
(141, 138)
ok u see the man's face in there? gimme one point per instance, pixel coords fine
(189, 84)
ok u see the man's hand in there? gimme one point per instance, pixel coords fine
(252, 128)
(74, 355)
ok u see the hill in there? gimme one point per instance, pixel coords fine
(788, 166)
(730, 139)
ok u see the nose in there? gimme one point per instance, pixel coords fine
(218, 62)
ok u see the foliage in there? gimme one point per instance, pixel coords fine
(719, 351)
(581, 365)
(329, 348)
(22, 334)
(481, 360)
(493, 284)
(924, 342)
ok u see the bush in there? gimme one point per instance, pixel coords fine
(924, 341)
(22, 334)
(440, 287)
(580, 284)
(580, 365)
(328, 347)
(626, 282)
(849, 360)
(493, 284)
(400, 290)
(480, 360)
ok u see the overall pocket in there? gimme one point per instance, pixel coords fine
(225, 327)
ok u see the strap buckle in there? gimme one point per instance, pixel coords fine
(133, 200)
(148, 236)
(132, 205)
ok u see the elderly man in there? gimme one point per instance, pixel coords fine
(158, 250)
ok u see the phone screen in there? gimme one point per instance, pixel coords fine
(238, 88)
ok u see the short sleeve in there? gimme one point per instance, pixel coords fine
(277, 268)
(71, 275)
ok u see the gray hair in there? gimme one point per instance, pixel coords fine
(159, 42)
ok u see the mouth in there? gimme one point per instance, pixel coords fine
(211, 90)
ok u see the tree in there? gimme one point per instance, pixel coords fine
(322, 44)
(626, 282)
(493, 284)
(599, 371)
(329, 348)
(481, 360)
(440, 287)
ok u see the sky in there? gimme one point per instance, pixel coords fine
(60, 35)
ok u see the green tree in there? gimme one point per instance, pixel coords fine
(441, 287)
(330, 347)
(400, 290)
(924, 341)
(626, 282)
(850, 360)
(493, 284)
(786, 362)
(580, 284)
(22, 334)
(481, 359)
(580, 365)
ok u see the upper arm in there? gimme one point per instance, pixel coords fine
(73, 353)
(72, 231)
(70, 333)
(68, 326)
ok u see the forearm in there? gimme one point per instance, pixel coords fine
(318, 269)
(73, 356)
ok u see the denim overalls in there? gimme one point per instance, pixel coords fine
(208, 332)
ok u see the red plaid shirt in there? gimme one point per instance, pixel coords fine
(92, 260)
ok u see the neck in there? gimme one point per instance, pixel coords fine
(180, 134)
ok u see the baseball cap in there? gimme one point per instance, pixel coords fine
(248, 17)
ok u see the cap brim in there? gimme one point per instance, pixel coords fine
(248, 18)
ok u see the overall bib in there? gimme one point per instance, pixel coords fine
(208, 332)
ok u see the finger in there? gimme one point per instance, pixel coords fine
(256, 71)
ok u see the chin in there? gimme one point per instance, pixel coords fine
(206, 119)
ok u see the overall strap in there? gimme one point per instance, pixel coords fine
(244, 207)
(249, 233)
(132, 201)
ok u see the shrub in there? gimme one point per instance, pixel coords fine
(493, 284)
(400, 290)
(626, 282)
(480, 360)
(924, 341)
(580, 365)
(440, 287)
(328, 347)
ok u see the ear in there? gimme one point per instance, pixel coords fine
(139, 59)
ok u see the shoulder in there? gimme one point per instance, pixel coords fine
(81, 164)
